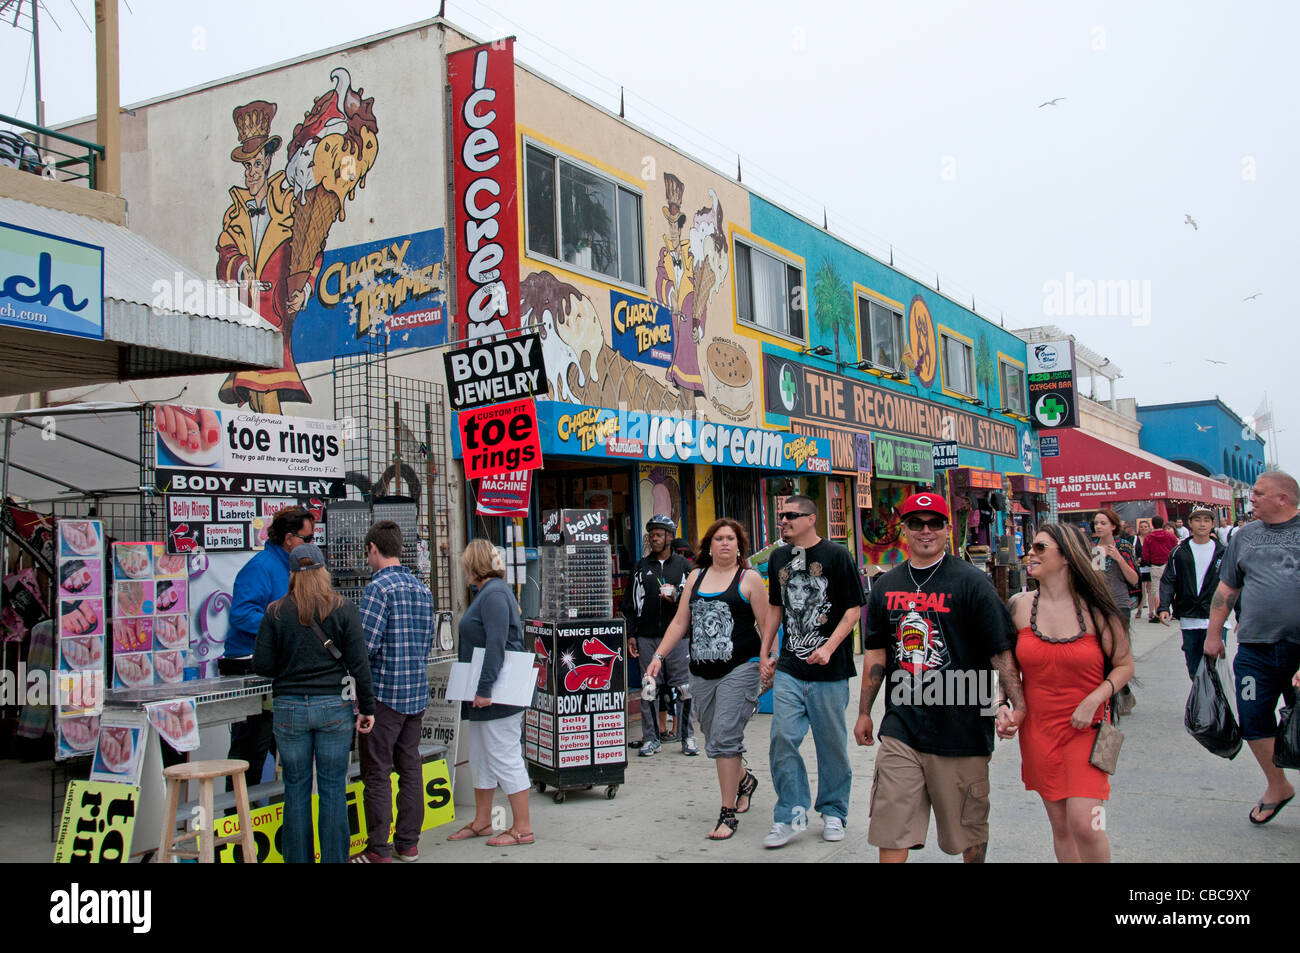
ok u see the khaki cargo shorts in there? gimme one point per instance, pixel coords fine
(908, 783)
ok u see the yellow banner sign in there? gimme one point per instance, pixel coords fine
(98, 822)
(268, 821)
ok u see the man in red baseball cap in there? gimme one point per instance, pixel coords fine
(936, 632)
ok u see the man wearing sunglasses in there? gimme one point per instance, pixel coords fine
(814, 585)
(936, 631)
(262, 580)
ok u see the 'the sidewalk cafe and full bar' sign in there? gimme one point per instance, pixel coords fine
(48, 283)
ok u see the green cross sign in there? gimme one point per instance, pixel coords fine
(787, 386)
(1051, 410)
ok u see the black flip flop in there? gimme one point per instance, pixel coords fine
(1276, 808)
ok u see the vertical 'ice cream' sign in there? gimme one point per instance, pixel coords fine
(483, 152)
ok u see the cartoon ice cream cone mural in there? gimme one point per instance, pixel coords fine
(275, 230)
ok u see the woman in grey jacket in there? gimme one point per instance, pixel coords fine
(495, 731)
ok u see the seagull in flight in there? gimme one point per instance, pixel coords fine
(1188, 220)
(1213, 361)
(1204, 429)
(1252, 297)
(1051, 102)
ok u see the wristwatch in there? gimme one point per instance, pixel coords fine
(659, 657)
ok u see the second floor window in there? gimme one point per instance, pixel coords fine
(769, 292)
(958, 366)
(582, 218)
(1013, 388)
(881, 329)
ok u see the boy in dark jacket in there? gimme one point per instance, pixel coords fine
(1189, 582)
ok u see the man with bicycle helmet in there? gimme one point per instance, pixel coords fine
(649, 603)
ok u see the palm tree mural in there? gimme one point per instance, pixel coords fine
(833, 306)
(985, 372)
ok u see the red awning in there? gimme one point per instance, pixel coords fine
(1093, 470)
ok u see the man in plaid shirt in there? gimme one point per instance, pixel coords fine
(397, 612)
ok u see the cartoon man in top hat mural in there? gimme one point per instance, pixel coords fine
(254, 250)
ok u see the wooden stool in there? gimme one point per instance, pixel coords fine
(205, 772)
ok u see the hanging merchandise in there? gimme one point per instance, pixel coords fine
(80, 631)
(120, 747)
(151, 631)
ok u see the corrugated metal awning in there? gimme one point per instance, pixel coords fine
(161, 319)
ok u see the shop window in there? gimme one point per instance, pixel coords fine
(958, 366)
(583, 218)
(1013, 387)
(881, 330)
(769, 292)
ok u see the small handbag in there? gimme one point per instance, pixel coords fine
(1105, 750)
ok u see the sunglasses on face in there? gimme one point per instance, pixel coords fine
(306, 539)
(791, 515)
(1040, 547)
(916, 524)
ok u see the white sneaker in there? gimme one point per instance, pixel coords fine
(779, 835)
(834, 829)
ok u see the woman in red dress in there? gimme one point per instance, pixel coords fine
(1074, 656)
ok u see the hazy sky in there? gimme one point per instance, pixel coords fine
(916, 125)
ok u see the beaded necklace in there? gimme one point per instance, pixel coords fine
(1033, 623)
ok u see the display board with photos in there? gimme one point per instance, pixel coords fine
(81, 633)
(150, 617)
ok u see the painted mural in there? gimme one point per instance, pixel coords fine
(691, 270)
(583, 368)
(833, 310)
(882, 531)
(660, 491)
(392, 287)
(672, 352)
(275, 230)
(921, 353)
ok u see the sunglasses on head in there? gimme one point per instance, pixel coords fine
(790, 515)
(916, 524)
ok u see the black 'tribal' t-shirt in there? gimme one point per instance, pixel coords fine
(814, 588)
(940, 687)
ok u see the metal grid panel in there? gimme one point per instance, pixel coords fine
(360, 386)
(419, 414)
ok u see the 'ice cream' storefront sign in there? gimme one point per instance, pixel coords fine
(574, 430)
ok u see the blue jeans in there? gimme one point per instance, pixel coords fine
(1269, 668)
(797, 706)
(314, 728)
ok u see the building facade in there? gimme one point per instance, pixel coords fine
(708, 351)
(1206, 436)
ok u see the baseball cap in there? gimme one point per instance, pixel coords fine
(925, 503)
(1201, 511)
(306, 556)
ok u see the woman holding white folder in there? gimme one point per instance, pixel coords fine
(492, 623)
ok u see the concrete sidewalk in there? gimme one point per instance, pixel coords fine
(1172, 801)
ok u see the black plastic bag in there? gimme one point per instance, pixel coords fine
(1209, 717)
(1286, 743)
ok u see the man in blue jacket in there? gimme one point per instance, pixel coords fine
(263, 580)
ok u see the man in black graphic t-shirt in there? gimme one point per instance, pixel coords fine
(815, 587)
(936, 632)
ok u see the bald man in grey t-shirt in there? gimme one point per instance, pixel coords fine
(1262, 566)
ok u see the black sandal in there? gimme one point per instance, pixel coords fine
(727, 819)
(748, 785)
